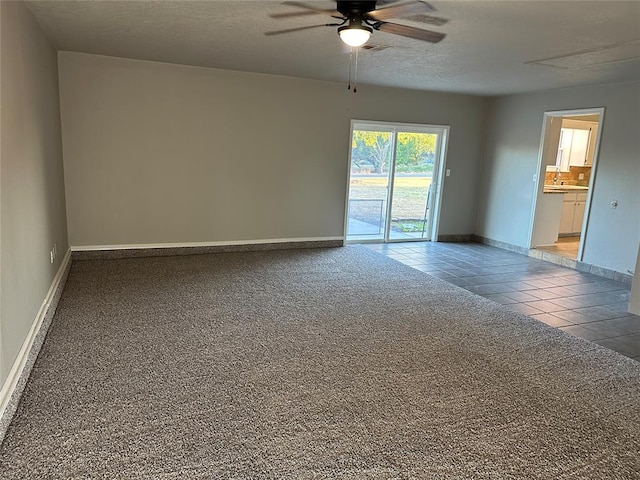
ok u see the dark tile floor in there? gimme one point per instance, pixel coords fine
(582, 304)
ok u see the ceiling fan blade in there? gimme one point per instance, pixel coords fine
(411, 32)
(297, 29)
(404, 10)
(308, 10)
(428, 19)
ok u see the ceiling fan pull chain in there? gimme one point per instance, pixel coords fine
(350, 62)
(355, 73)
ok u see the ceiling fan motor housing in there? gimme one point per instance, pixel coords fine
(358, 18)
(355, 10)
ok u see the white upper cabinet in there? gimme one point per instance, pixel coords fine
(579, 147)
(577, 144)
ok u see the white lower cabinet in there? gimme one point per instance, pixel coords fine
(568, 211)
(578, 216)
(573, 207)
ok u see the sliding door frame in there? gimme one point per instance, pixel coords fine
(437, 180)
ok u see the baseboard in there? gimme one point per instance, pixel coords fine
(560, 260)
(605, 272)
(19, 374)
(502, 245)
(197, 248)
(455, 238)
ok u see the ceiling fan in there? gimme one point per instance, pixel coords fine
(358, 19)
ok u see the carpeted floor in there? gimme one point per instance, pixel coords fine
(311, 364)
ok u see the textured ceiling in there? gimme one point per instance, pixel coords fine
(491, 48)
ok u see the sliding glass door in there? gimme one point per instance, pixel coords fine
(391, 183)
(371, 154)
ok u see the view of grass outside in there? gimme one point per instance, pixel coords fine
(370, 163)
(409, 200)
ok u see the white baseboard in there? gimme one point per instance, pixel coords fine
(20, 366)
(142, 246)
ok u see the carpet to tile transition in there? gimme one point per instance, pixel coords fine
(311, 364)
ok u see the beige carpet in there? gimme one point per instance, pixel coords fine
(311, 364)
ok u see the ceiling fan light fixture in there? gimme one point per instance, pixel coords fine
(354, 35)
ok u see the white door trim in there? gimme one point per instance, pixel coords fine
(539, 179)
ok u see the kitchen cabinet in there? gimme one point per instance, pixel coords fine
(577, 143)
(579, 146)
(573, 207)
(578, 215)
(591, 146)
(568, 212)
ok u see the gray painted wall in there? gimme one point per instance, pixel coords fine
(634, 301)
(510, 160)
(159, 153)
(32, 206)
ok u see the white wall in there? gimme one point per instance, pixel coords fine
(159, 153)
(32, 206)
(510, 160)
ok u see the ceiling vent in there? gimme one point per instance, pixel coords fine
(622, 52)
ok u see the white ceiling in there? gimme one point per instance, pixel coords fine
(487, 50)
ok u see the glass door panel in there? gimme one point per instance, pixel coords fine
(369, 184)
(415, 157)
(393, 181)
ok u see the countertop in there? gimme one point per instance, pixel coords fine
(564, 189)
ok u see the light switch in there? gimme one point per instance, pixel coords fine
(448, 172)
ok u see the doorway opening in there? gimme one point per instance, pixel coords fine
(395, 173)
(566, 173)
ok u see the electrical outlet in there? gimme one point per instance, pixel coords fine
(614, 203)
(581, 176)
